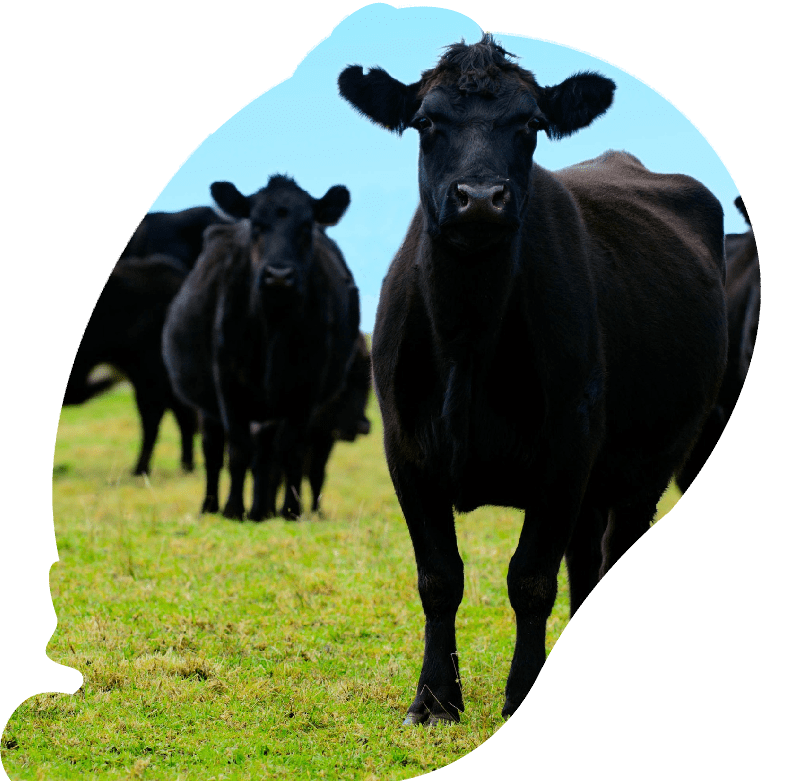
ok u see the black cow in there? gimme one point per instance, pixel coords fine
(743, 291)
(263, 331)
(342, 419)
(124, 330)
(177, 234)
(550, 341)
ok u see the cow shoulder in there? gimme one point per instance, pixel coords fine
(643, 217)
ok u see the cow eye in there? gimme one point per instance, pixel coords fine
(534, 123)
(421, 123)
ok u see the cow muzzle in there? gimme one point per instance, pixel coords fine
(478, 214)
(278, 278)
(482, 202)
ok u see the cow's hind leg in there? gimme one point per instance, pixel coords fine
(293, 449)
(627, 522)
(213, 438)
(320, 452)
(533, 577)
(585, 553)
(187, 424)
(440, 579)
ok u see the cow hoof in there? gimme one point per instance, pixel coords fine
(257, 516)
(187, 467)
(140, 471)
(210, 505)
(233, 513)
(427, 720)
(509, 709)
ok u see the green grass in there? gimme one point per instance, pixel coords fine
(217, 650)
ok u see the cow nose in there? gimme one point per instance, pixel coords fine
(278, 277)
(488, 200)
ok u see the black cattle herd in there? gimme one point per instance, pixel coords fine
(562, 342)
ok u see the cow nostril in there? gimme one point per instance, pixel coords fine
(462, 195)
(277, 277)
(499, 197)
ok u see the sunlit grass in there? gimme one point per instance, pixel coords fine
(212, 649)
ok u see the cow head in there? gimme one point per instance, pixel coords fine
(478, 115)
(284, 220)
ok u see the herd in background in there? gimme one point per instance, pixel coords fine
(264, 352)
(561, 342)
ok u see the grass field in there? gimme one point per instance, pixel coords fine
(212, 649)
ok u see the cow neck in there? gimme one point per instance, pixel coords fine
(466, 300)
(284, 338)
(466, 296)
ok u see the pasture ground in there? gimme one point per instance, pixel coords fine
(217, 650)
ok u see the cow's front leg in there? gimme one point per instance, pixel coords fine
(213, 437)
(440, 579)
(239, 455)
(265, 481)
(151, 409)
(293, 447)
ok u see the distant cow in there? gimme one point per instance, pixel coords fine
(342, 419)
(743, 291)
(550, 341)
(263, 331)
(124, 330)
(177, 234)
(125, 326)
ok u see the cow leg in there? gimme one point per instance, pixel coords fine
(151, 410)
(533, 579)
(187, 424)
(292, 449)
(265, 486)
(626, 524)
(585, 554)
(703, 447)
(440, 580)
(239, 454)
(213, 437)
(320, 452)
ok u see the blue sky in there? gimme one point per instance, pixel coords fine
(302, 127)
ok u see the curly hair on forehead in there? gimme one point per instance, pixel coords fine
(475, 67)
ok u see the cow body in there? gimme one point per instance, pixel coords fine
(535, 346)
(125, 327)
(263, 332)
(177, 234)
(124, 330)
(743, 294)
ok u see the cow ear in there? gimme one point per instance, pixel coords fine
(739, 204)
(575, 103)
(230, 200)
(329, 209)
(378, 96)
